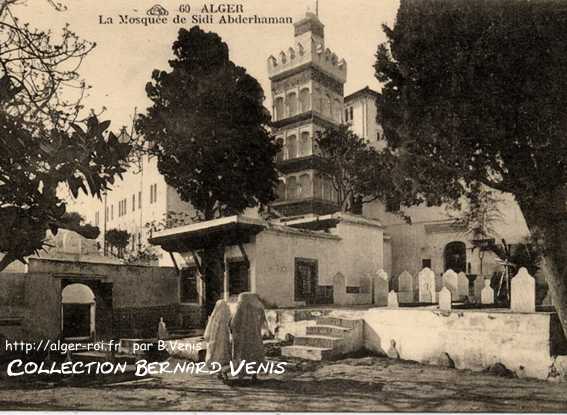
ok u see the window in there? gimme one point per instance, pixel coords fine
(306, 280)
(280, 155)
(122, 207)
(140, 200)
(133, 202)
(292, 104)
(153, 193)
(188, 286)
(111, 212)
(291, 147)
(97, 218)
(305, 145)
(238, 277)
(349, 114)
(106, 214)
(279, 108)
(304, 99)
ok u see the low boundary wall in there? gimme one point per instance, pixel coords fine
(530, 344)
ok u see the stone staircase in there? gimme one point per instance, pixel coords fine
(329, 338)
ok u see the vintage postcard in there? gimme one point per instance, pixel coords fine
(283, 206)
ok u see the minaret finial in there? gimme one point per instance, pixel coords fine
(317, 8)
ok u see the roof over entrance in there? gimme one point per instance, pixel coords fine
(232, 230)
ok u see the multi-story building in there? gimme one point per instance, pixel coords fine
(307, 82)
(360, 113)
(135, 203)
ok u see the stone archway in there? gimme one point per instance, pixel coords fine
(78, 312)
(455, 256)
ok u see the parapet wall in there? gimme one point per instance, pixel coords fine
(525, 343)
(309, 53)
(530, 344)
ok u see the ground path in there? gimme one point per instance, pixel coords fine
(365, 384)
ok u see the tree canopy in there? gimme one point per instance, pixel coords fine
(44, 143)
(476, 92)
(357, 169)
(119, 239)
(208, 128)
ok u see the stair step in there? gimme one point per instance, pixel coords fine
(308, 352)
(337, 321)
(318, 341)
(332, 331)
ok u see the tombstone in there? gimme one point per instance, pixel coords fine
(445, 297)
(393, 299)
(381, 283)
(522, 292)
(462, 286)
(487, 293)
(339, 289)
(405, 288)
(479, 285)
(162, 330)
(426, 286)
(450, 280)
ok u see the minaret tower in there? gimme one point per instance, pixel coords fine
(307, 82)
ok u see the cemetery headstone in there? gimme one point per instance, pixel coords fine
(522, 292)
(426, 286)
(405, 288)
(487, 293)
(462, 286)
(478, 286)
(445, 299)
(381, 283)
(393, 299)
(450, 280)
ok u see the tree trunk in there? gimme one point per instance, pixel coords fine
(6, 260)
(549, 216)
(213, 269)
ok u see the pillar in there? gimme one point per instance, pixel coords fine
(225, 281)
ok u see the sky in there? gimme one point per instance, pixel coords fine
(125, 56)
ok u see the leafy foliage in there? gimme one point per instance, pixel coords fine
(43, 145)
(207, 126)
(481, 214)
(119, 239)
(357, 169)
(39, 81)
(475, 92)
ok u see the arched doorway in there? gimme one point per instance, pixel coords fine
(78, 308)
(456, 256)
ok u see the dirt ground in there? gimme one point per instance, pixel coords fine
(363, 384)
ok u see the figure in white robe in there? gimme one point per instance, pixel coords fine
(217, 335)
(246, 326)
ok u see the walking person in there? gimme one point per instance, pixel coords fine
(217, 336)
(246, 326)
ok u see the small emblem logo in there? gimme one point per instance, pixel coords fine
(157, 10)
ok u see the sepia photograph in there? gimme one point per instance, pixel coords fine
(283, 206)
